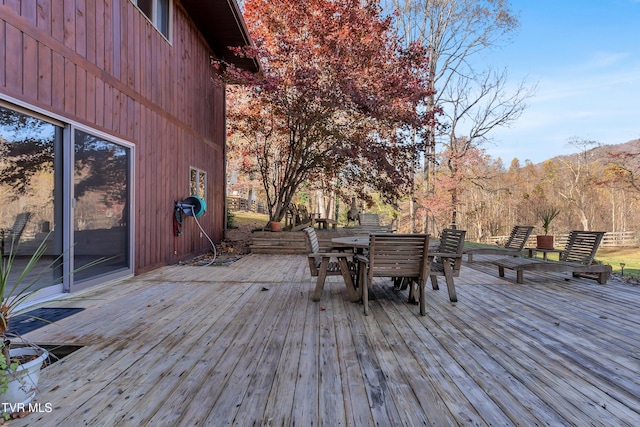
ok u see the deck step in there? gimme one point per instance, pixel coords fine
(290, 242)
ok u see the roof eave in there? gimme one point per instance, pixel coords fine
(222, 26)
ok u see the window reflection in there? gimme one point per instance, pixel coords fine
(29, 203)
(198, 183)
(101, 191)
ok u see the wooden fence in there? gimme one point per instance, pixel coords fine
(629, 239)
(241, 204)
(621, 238)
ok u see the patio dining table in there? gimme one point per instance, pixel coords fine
(545, 252)
(359, 242)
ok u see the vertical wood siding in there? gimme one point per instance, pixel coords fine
(101, 63)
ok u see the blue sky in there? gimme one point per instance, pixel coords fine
(584, 56)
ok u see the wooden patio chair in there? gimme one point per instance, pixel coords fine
(518, 238)
(576, 258)
(14, 234)
(369, 224)
(394, 256)
(322, 264)
(297, 217)
(369, 229)
(368, 219)
(445, 262)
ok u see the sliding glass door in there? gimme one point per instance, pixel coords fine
(69, 188)
(100, 210)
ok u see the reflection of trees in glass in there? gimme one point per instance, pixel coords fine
(101, 183)
(26, 147)
(197, 183)
(193, 186)
(201, 185)
(100, 166)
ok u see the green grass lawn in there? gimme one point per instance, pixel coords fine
(249, 218)
(614, 256)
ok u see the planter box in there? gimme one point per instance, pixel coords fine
(544, 242)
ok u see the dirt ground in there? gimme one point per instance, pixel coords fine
(233, 247)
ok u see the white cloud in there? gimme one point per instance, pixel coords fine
(587, 65)
(600, 106)
(601, 59)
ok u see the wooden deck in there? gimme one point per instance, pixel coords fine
(245, 345)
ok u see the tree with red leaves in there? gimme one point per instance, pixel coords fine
(459, 164)
(336, 97)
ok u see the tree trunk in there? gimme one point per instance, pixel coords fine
(454, 207)
(412, 214)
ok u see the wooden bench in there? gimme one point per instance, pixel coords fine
(298, 217)
(576, 258)
(325, 223)
(368, 219)
(369, 229)
(514, 245)
(445, 262)
(321, 264)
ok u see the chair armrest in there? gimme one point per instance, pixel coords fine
(335, 248)
(330, 254)
(444, 254)
(362, 258)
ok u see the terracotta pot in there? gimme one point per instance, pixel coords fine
(275, 226)
(544, 242)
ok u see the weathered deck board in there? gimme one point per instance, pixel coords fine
(354, 392)
(245, 345)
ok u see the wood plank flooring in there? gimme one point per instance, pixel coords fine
(244, 345)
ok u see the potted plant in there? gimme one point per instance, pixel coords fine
(275, 226)
(546, 214)
(19, 366)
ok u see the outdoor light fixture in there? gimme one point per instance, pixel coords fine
(622, 264)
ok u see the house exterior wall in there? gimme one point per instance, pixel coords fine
(101, 63)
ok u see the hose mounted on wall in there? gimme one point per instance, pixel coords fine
(195, 207)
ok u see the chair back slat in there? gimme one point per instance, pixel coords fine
(398, 255)
(519, 236)
(452, 242)
(313, 246)
(582, 246)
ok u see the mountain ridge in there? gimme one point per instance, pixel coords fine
(606, 153)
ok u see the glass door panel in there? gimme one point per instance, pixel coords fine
(30, 198)
(101, 210)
